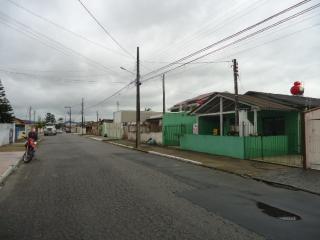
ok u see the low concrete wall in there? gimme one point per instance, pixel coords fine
(218, 145)
(7, 133)
(112, 130)
(144, 137)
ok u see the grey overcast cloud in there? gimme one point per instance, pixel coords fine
(52, 53)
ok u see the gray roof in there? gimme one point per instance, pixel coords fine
(262, 104)
(245, 101)
(289, 100)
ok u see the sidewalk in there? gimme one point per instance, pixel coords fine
(10, 156)
(278, 175)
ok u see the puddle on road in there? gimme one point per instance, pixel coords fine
(277, 213)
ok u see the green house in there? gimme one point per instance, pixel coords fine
(269, 126)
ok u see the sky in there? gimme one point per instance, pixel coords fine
(53, 54)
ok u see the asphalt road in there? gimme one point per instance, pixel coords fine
(78, 188)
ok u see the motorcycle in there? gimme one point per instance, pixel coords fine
(30, 150)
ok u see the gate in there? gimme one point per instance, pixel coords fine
(172, 133)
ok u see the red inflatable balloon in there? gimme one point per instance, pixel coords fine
(297, 88)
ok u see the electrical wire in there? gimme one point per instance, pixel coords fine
(27, 31)
(238, 40)
(219, 23)
(65, 29)
(113, 95)
(230, 36)
(60, 79)
(105, 30)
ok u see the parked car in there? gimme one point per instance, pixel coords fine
(50, 130)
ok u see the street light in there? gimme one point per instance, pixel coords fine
(127, 70)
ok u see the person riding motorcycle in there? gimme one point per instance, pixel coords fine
(33, 134)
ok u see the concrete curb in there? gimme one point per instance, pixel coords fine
(9, 171)
(175, 157)
(276, 184)
(97, 139)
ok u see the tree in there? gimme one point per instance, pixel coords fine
(6, 111)
(50, 118)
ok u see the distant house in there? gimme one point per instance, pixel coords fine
(124, 122)
(150, 130)
(126, 116)
(192, 103)
(20, 128)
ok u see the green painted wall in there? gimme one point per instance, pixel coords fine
(292, 127)
(218, 145)
(178, 118)
(265, 146)
(175, 125)
(207, 124)
(238, 147)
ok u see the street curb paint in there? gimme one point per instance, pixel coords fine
(98, 139)
(9, 171)
(175, 157)
(126, 146)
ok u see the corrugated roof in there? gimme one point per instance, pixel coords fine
(193, 100)
(253, 102)
(263, 104)
(289, 100)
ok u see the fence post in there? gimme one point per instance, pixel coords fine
(303, 140)
(261, 147)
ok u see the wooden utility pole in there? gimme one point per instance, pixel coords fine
(69, 117)
(30, 110)
(235, 77)
(138, 101)
(82, 116)
(34, 116)
(163, 95)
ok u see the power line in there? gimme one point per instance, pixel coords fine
(114, 94)
(196, 35)
(45, 39)
(264, 43)
(64, 28)
(239, 40)
(61, 79)
(105, 30)
(231, 36)
(203, 62)
(216, 50)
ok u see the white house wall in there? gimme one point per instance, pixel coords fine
(144, 137)
(312, 138)
(7, 133)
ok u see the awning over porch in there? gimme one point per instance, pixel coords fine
(224, 104)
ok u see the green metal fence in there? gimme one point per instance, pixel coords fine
(173, 133)
(265, 146)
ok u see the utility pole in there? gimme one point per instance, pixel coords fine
(235, 77)
(97, 116)
(34, 116)
(82, 117)
(163, 96)
(30, 109)
(138, 101)
(69, 117)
